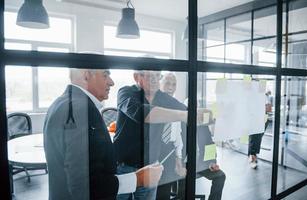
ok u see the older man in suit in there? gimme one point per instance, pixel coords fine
(78, 147)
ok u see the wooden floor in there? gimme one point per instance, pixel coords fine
(242, 182)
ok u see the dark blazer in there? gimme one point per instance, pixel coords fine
(80, 155)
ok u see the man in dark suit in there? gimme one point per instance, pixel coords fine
(78, 148)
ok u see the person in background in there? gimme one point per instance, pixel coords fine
(208, 169)
(254, 141)
(168, 84)
(78, 148)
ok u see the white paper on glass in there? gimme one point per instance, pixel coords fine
(240, 108)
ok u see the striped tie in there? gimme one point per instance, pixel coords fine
(166, 135)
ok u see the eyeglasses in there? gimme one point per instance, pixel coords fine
(156, 76)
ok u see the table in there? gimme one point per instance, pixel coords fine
(27, 151)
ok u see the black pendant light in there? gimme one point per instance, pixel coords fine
(32, 14)
(127, 27)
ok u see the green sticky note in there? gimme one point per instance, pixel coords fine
(213, 108)
(244, 139)
(247, 78)
(210, 152)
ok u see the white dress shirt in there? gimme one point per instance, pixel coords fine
(176, 138)
(127, 182)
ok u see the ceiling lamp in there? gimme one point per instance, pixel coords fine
(32, 14)
(127, 27)
(200, 33)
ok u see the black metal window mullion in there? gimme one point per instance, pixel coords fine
(252, 37)
(192, 80)
(225, 37)
(279, 39)
(4, 167)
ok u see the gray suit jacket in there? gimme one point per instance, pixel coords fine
(79, 155)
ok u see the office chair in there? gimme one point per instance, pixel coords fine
(19, 125)
(109, 115)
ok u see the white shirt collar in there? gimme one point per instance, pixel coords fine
(92, 97)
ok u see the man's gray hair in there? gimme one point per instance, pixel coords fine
(76, 74)
(169, 74)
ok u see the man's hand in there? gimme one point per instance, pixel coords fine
(214, 167)
(149, 175)
(180, 170)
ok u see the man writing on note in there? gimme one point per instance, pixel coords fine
(78, 148)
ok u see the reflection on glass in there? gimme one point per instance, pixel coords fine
(264, 52)
(238, 28)
(297, 16)
(215, 33)
(237, 133)
(238, 53)
(265, 22)
(294, 46)
(297, 51)
(293, 125)
(212, 48)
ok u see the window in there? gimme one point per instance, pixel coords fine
(18, 88)
(158, 44)
(153, 43)
(32, 89)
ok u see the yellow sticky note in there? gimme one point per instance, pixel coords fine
(247, 82)
(244, 139)
(210, 152)
(206, 118)
(213, 108)
(247, 78)
(266, 117)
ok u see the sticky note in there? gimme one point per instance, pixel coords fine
(247, 78)
(266, 117)
(210, 152)
(213, 108)
(244, 139)
(206, 118)
(247, 81)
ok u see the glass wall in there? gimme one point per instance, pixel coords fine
(245, 38)
(235, 139)
(293, 137)
(91, 26)
(133, 117)
(295, 35)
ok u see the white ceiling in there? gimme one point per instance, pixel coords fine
(169, 9)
